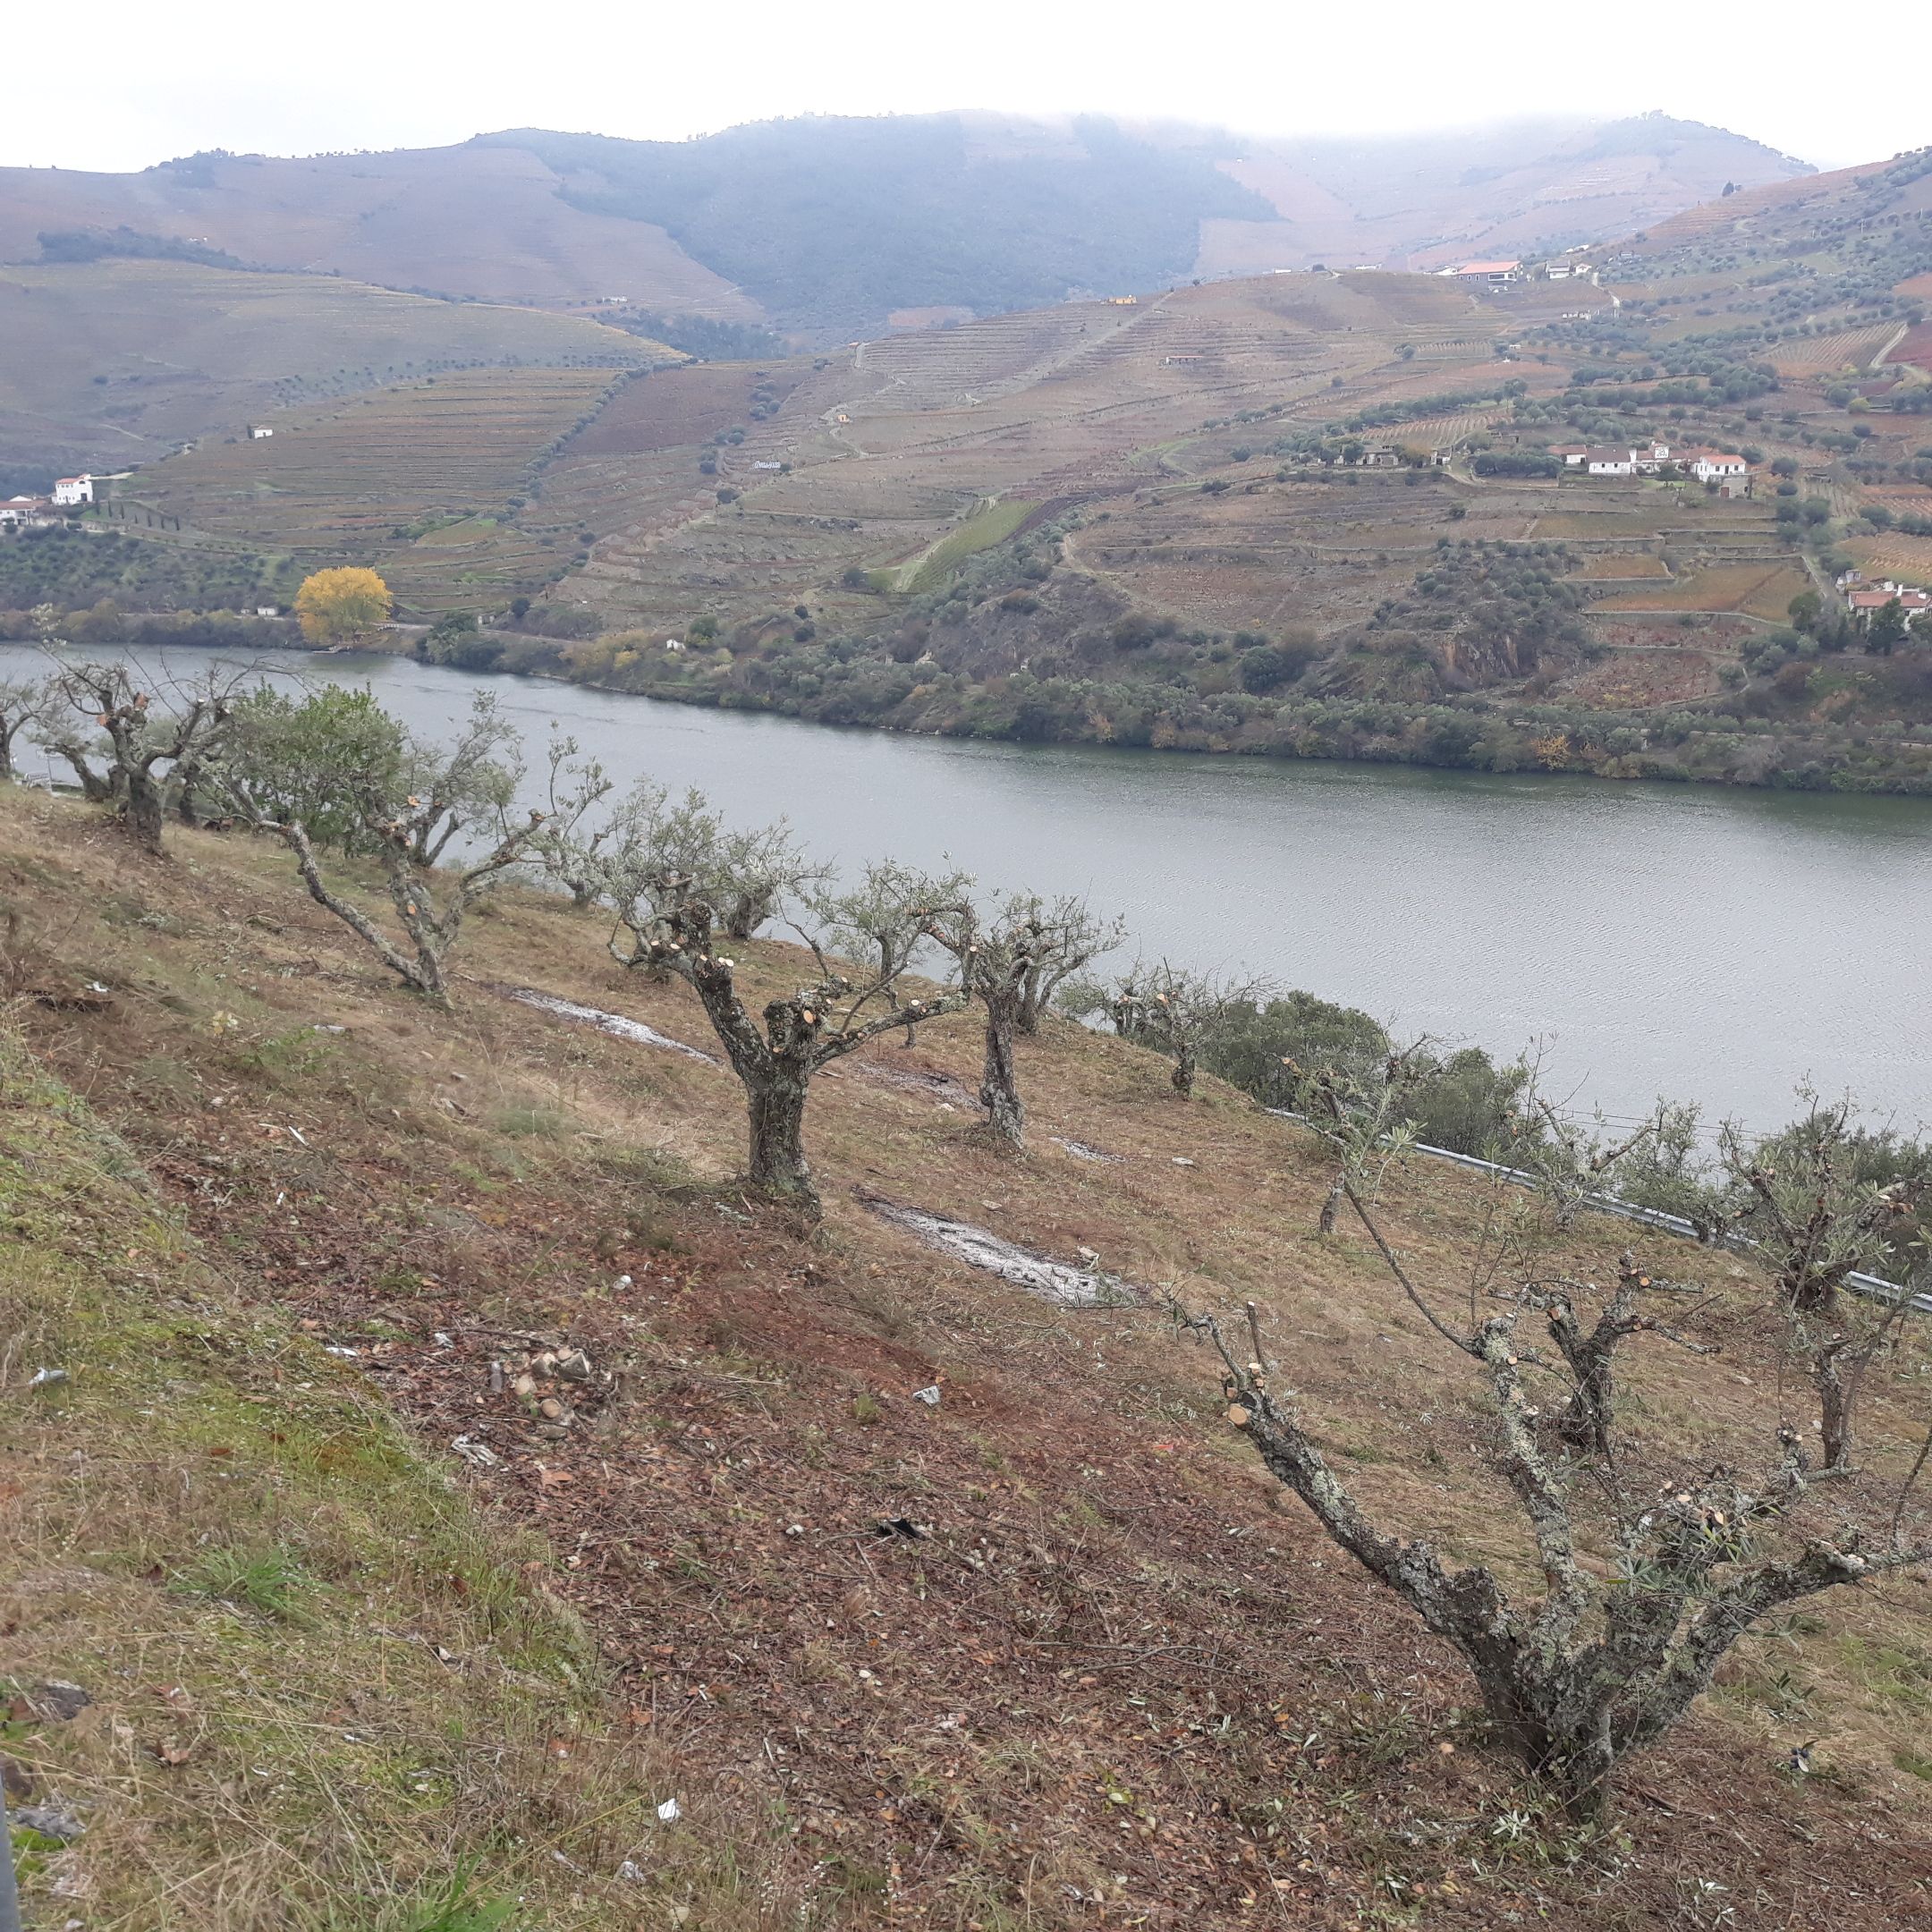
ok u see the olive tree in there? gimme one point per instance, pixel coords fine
(775, 1055)
(1813, 1205)
(665, 847)
(1594, 1666)
(887, 919)
(336, 770)
(1012, 961)
(142, 753)
(1176, 1013)
(570, 850)
(1070, 936)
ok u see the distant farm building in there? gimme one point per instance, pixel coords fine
(1493, 273)
(70, 490)
(258, 430)
(1867, 600)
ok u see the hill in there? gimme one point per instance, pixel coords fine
(120, 361)
(1520, 188)
(826, 227)
(350, 1617)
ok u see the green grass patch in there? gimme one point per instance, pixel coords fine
(992, 524)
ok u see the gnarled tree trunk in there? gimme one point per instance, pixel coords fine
(776, 1104)
(999, 1087)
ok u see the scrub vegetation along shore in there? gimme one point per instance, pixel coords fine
(452, 1487)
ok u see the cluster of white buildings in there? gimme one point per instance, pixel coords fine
(1707, 465)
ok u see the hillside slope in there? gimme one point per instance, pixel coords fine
(487, 223)
(114, 362)
(829, 226)
(1101, 1674)
(1527, 188)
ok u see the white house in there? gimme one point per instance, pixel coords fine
(1712, 466)
(1866, 604)
(1610, 461)
(1572, 453)
(77, 489)
(1495, 273)
(259, 430)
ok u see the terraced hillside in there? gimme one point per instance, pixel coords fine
(424, 478)
(116, 362)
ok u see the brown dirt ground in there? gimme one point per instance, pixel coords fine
(1114, 1678)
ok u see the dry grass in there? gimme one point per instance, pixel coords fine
(1111, 1600)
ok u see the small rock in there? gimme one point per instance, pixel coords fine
(495, 1379)
(552, 1411)
(56, 1698)
(46, 1378)
(1181, 1160)
(15, 1780)
(930, 1396)
(573, 1364)
(524, 1387)
(50, 1821)
(670, 1810)
(630, 1872)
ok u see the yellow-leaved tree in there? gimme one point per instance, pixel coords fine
(342, 607)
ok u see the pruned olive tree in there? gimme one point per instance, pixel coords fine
(373, 789)
(887, 919)
(667, 847)
(1012, 960)
(1811, 1200)
(1070, 936)
(1814, 1205)
(1593, 1666)
(1168, 1009)
(775, 1056)
(571, 849)
(142, 752)
(1573, 1165)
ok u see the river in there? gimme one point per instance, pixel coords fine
(1709, 944)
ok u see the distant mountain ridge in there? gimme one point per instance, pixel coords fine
(829, 226)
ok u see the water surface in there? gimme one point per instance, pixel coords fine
(1705, 944)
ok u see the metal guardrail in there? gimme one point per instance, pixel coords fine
(1864, 1284)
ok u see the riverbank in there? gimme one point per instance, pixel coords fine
(1066, 666)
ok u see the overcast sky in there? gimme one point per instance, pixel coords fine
(120, 85)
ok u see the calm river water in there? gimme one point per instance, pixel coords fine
(1708, 944)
